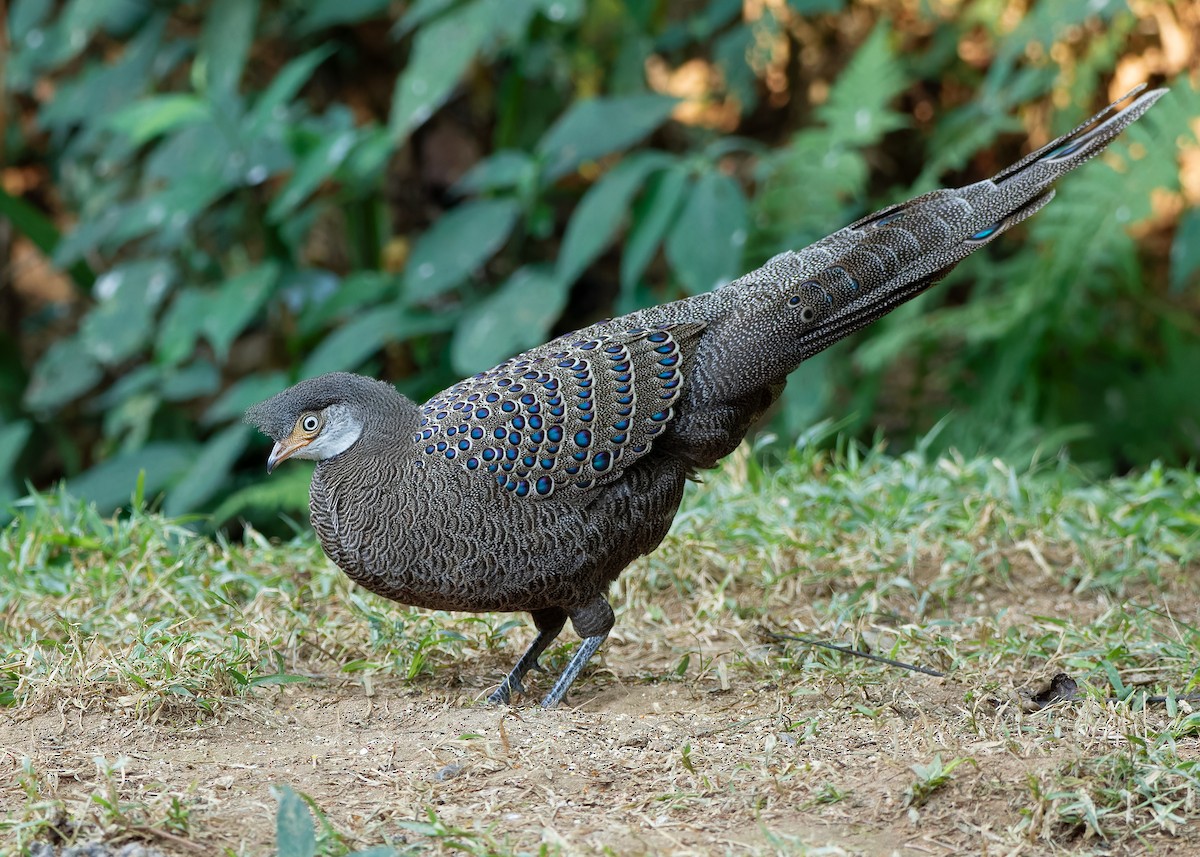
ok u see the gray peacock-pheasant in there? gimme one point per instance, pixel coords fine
(531, 486)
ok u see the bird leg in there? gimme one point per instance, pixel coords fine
(592, 623)
(549, 623)
(582, 655)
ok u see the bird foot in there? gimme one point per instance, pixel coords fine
(503, 694)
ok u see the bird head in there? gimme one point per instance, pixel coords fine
(320, 418)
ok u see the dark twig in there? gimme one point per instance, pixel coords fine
(1062, 687)
(846, 650)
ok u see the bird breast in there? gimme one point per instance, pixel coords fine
(431, 534)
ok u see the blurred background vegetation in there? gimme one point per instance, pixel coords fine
(202, 202)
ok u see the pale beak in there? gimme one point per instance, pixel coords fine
(285, 449)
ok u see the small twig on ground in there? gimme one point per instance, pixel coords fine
(1062, 687)
(846, 650)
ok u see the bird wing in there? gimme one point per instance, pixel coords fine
(572, 413)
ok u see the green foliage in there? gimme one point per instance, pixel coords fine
(930, 778)
(259, 192)
(296, 835)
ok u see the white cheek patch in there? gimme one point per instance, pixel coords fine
(342, 429)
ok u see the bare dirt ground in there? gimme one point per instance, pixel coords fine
(690, 733)
(732, 757)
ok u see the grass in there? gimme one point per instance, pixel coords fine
(997, 576)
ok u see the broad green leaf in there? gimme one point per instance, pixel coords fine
(248, 391)
(704, 246)
(88, 236)
(295, 833)
(236, 305)
(41, 44)
(84, 17)
(168, 211)
(418, 13)
(225, 44)
(599, 126)
(457, 245)
(193, 153)
(167, 214)
(102, 90)
(112, 482)
(287, 84)
(278, 678)
(141, 380)
(807, 395)
(510, 20)
(348, 347)
(601, 212)
(181, 325)
(12, 441)
(322, 14)
(199, 378)
(25, 15)
(354, 292)
(500, 170)
(441, 52)
(123, 319)
(313, 168)
(66, 371)
(208, 472)
(651, 219)
(1185, 251)
(562, 11)
(368, 159)
(147, 118)
(699, 26)
(518, 316)
(816, 7)
(131, 420)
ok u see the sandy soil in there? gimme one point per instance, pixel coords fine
(636, 766)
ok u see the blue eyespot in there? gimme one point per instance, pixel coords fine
(985, 233)
(1065, 149)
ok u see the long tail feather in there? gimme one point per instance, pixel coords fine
(867, 269)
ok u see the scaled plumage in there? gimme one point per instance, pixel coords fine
(530, 487)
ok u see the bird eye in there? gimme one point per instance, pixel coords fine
(309, 423)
